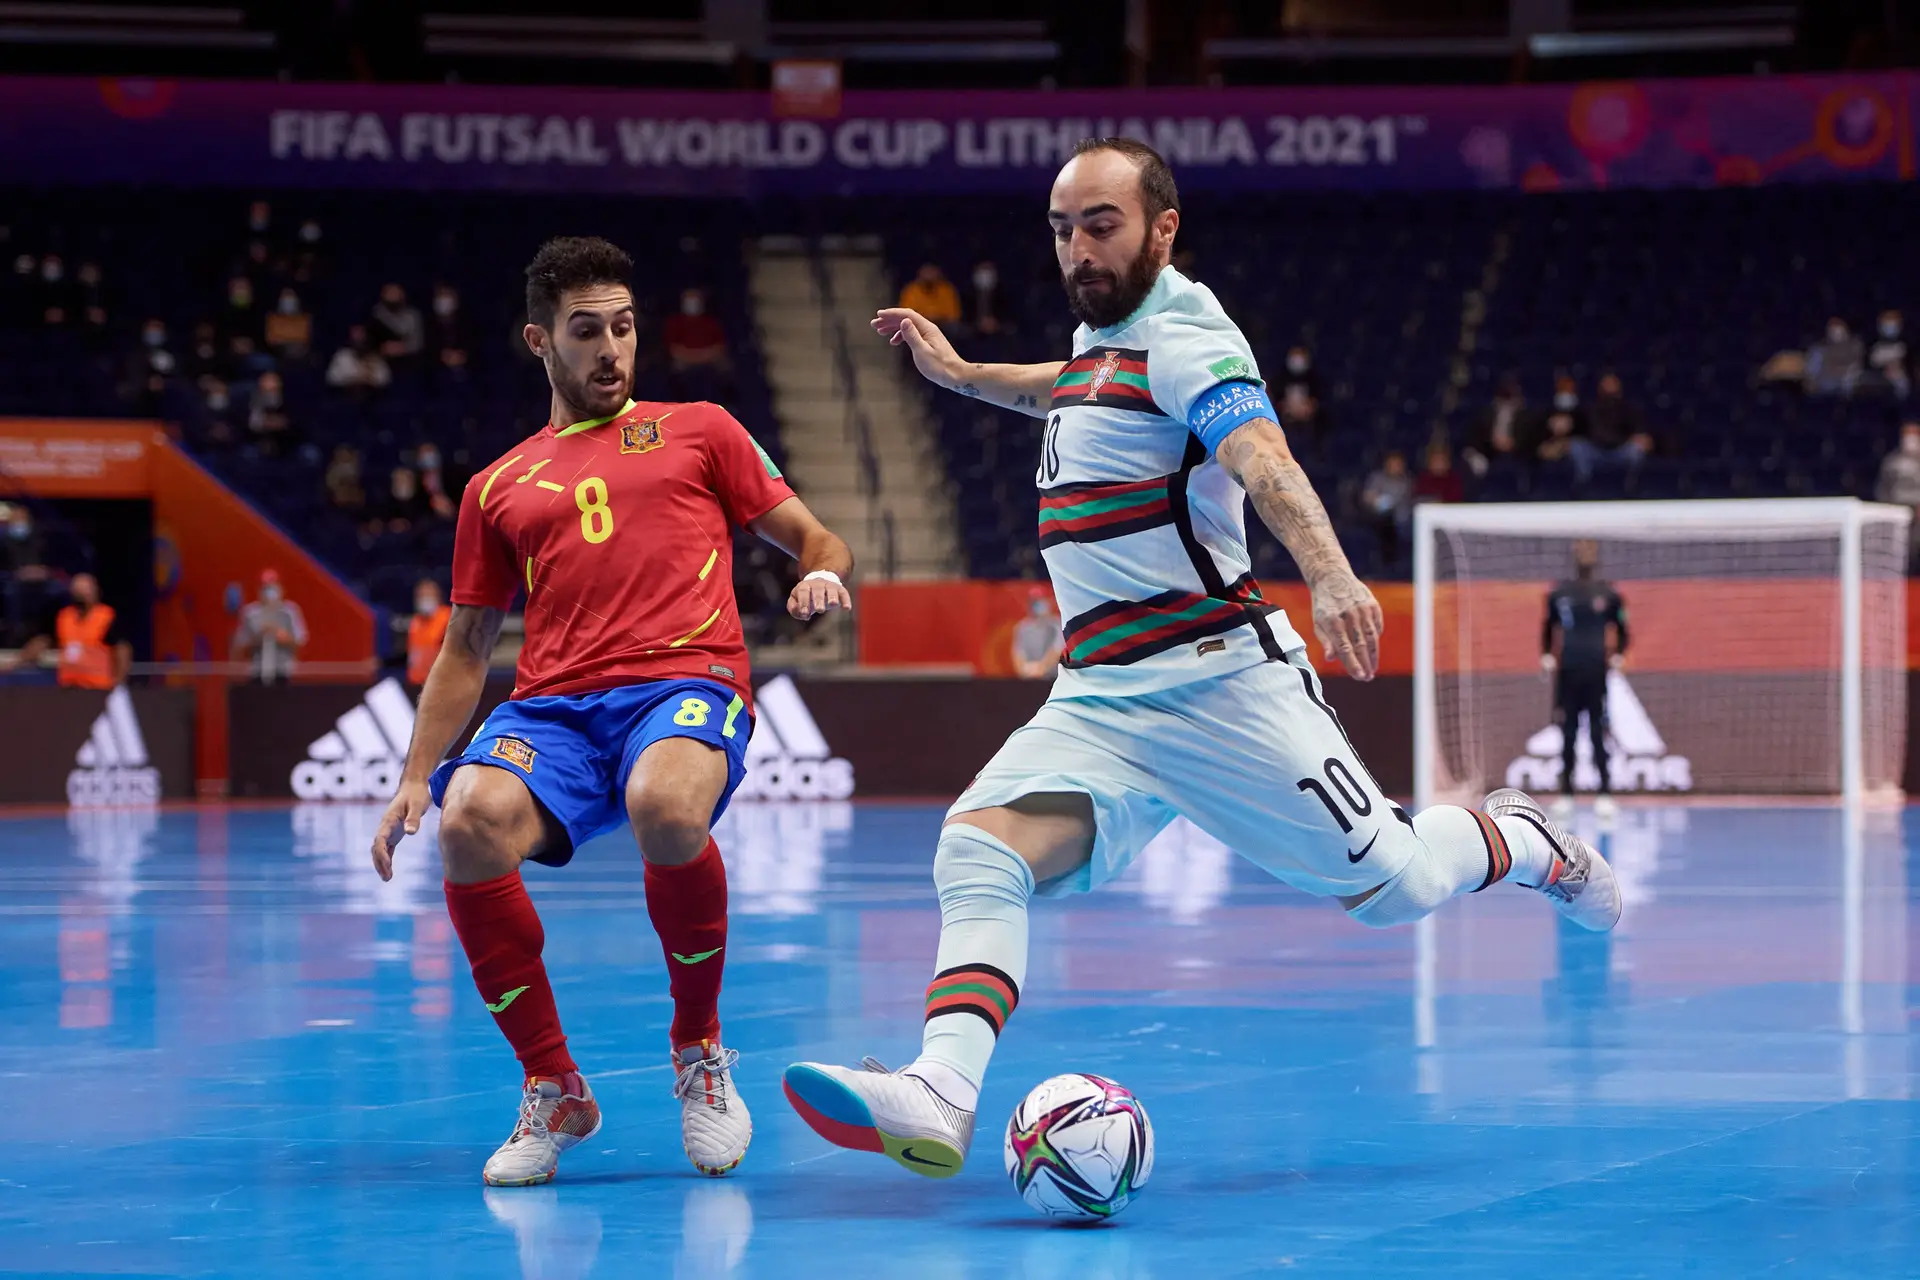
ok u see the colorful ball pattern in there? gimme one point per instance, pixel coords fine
(1079, 1146)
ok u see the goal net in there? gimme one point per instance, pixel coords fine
(1767, 646)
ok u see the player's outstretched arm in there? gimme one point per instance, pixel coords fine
(1025, 387)
(454, 685)
(1346, 617)
(825, 561)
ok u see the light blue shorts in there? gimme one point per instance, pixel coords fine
(1256, 759)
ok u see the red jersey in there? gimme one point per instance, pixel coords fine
(620, 532)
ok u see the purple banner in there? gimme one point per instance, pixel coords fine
(1640, 133)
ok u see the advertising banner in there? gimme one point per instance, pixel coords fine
(1610, 134)
(91, 748)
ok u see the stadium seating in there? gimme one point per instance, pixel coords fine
(170, 255)
(1413, 305)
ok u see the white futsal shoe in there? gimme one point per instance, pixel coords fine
(890, 1112)
(715, 1126)
(556, 1112)
(1581, 885)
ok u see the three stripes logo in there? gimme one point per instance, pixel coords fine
(788, 757)
(1637, 756)
(111, 766)
(360, 758)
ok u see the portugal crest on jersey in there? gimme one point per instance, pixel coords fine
(1103, 373)
(642, 436)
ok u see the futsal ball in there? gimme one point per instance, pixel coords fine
(1079, 1146)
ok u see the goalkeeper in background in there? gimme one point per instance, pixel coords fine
(1585, 636)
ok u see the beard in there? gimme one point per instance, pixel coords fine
(584, 394)
(1102, 309)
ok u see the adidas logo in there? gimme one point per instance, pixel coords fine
(787, 758)
(1637, 758)
(361, 758)
(111, 766)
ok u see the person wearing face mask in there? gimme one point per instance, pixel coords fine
(1888, 358)
(1899, 481)
(357, 366)
(23, 568)
(1834, 362)
(1038, 640)
(1299, 373)
(426, 630)
(986, 301)
(433, 481)
(396, 324)
(449, 346)
(93, 650)
(289, 327)
(271, 633)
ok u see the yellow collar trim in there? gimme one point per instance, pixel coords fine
(590, 424)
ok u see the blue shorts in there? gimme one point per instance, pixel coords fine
(575, 753)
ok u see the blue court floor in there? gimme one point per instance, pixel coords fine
(230, 1050)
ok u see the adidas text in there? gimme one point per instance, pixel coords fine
(111, 766)
(787, 758)
(361, 758)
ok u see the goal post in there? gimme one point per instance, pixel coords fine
(1767, 650)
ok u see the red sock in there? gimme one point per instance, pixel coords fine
(688, 905)
(503, 939)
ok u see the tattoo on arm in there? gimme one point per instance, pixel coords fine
(475, 630)
(968, 389)
(1026, 402)
(1285, 500)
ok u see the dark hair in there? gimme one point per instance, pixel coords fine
(571, 262)
(1157, 191)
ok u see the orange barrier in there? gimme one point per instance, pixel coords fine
(206, 540)
(1712, 625)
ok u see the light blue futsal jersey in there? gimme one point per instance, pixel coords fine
(1144, 534)
(1181, 692)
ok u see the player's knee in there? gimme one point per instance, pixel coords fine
(670, 825)
(968, 863)
(1412, 895)
(482, 836)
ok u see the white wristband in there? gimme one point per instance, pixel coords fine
(828, 574)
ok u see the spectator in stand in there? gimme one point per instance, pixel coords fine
(1300, 373)
(694, 338)
(1566, 399)
(1556, 442)
(149, 368)
(1887, 361)
(1387, 499)
(1038, 640)
(1616, 436)
(1300, 413)
(426, 630)
(932, 295)
(271, 633)
(444, 331)
(1899, 484)
(986, 298)
(397, 326)
(1439, 482)
(306, 258)
(90, 298)
(241, 320)
(56, 294)
(402, 506)
(260, 220)
(1501, 431)
(204, 358)
(433, 481)
(267, 420)
(289, 328)
(357, 367)
(1833, 363)
(93, 649)
(216, 403)
(344, 488)
(23, 563)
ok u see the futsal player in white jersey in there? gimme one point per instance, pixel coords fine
(1181, 692)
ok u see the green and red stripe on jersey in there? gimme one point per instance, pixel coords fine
(1096, 512)
(979, 989)
(1122, 632)
(1111, 377)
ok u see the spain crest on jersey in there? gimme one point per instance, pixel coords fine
(643, 436)
(1103, 373)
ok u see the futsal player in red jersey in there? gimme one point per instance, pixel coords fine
(631, 701)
